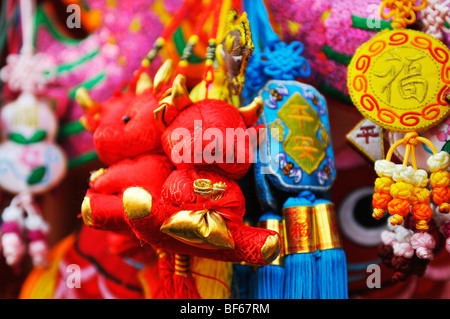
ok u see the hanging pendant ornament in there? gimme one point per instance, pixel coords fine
(294, 168)
(30, 161)
(400, 81)
(432, 18)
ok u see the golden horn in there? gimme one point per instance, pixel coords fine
(175, 98)
(252, 112)
(163, 75)
(143, 83)
(159, 114)
(179, 96)
(84, 100)
(83, 121)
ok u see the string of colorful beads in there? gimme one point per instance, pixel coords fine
(401, 192)
(401, 189)
(420, 200)
(440, 180)
(398, 237)
(423, 244)
(383, 183)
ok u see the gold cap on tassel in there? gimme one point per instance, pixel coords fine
(327, 226)
(275, 225)
(299, 230)
(182, 265)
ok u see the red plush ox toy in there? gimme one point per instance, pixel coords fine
(202, 205)
(197, 209)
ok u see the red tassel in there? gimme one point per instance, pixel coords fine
(166, 273)
(184, 283)
(176, 277)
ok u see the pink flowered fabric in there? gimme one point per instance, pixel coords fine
(320, 23)
(127, 33)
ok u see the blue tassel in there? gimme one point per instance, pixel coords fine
(241, 285)
(300, 267)
(253, 286)
(270, 282)
(331, 258)
(300, 280)
(332, 269)
(270, 279)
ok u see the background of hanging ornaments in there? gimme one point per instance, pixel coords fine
(109, 46)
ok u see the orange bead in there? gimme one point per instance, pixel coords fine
(399, 206)
(422, 212)
(441, 195)
(381, 200)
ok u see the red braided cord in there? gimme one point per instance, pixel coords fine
(174, 23)
(216, 19)
(181, 69)
(177, 18)
(208, 75)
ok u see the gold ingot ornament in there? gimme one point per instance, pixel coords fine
(203, 228)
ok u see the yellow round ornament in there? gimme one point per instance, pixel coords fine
(400, 80)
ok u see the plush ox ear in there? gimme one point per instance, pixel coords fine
(251, 113)
(173, 101)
